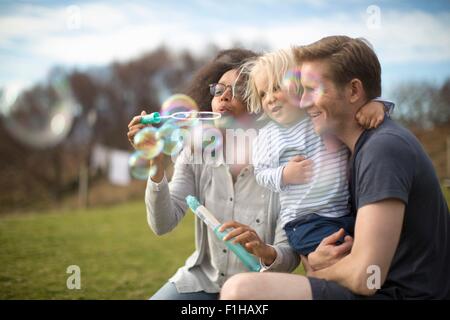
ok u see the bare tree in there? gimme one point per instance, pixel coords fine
(423, 104)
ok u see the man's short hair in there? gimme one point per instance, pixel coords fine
(348, 58)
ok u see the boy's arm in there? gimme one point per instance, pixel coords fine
(388, 105)
(273, 176)
(267, 171)
(270, 178)
(371, 115)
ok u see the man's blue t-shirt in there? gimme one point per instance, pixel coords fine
(389, 162)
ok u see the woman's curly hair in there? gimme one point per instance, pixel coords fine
(225, 60)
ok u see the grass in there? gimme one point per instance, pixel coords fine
(119, 256)
(446, 191)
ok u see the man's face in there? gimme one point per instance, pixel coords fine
(323, 101)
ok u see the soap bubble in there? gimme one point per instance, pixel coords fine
(184, 108)
(146, 140)
(310, 97)
(170, 135)
(178, 103)
(175, 133)
(181, 138)
(140, 166)
(313, 89)
(212, 137)
(207, 140)
(40, 117)
(292, 87)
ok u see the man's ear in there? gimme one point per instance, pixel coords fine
(356, 90)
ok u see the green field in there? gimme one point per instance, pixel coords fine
(119, 256)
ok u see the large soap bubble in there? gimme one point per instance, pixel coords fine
(180, 119)
(147, 141)
(178, 103)
(40, 117)
(292, 87)
(140, 166)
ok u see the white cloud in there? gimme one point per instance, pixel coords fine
(402, 37)
(109, 33)
(414, 37)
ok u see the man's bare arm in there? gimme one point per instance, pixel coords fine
(377, 232)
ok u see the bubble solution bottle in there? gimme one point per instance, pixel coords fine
(250, 262)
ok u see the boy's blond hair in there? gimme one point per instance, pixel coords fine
(274, 66)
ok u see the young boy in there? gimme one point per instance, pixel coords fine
(308, 171)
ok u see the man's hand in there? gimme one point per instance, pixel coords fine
(299, 170)
(377, 233)
(328, 253)
(310, 272)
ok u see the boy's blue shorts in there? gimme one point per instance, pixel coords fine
(305, 233)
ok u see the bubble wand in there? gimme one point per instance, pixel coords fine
(250, 262)
(156, 117)
(150, 141)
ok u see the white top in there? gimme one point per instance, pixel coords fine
(211, 264)
(326, 194)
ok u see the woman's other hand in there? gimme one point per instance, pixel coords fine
(250, 240)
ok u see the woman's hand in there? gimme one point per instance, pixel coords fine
(250, 240)
(328, 253)
(371, 115)
(134, 126)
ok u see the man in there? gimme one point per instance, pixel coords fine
(401, 246)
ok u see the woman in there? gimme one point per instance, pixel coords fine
(229, 191)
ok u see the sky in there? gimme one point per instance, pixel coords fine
(411, 38)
